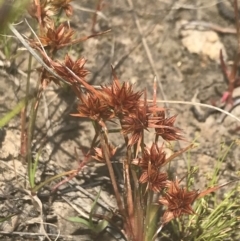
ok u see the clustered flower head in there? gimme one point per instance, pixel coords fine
(121, 97)
(166, 128)
(73, 72)
(43, 10)
(155, 156)
(151, 162)
(94, 108)
(178, 201)
(56, 37)
(77, 67)
(120, 101)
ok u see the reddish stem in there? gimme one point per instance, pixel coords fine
(94, 19)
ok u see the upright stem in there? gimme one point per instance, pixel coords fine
(151, 218)
(129, 197)
(30, 132)
(29, 143)
(138, 210)
(111, 172)
(23, 148)
(106, 155)
(148, 210)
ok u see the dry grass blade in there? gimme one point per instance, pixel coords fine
(213, 189)
(199, 104)
(147, 50)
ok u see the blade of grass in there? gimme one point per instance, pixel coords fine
(36, 188)
(15, 111)
(96, 228)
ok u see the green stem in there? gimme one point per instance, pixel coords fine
(29, 142)
(24, 112)
(153, 221)
(148, 212)
(15, 111)
(36, 188)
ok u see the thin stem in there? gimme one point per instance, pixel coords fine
(30, 132)
(129, 198)
(148, 213)
(111, 172)
(139, 199)
(36, 188)
(94, 18)
(138, 210)
(106, 154)
(23, 148)
(29, 142)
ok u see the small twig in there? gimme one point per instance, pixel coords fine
(94, 19)
(35, 35)
(208, 25)
(23, 148)
(80, 167)
(189, 6)
(36, 234)
(38, 204)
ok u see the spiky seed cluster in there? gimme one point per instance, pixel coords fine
(94, 108)
(155, 180)
(134, 124)
(155, 156)
(151, 162)
(64, 70)
(42, 13)
(121, 101)
(137, 115)
(98, 153)
(121, 98)
(77, 67)
(166, 128)
(178, 201)
(56, 37)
